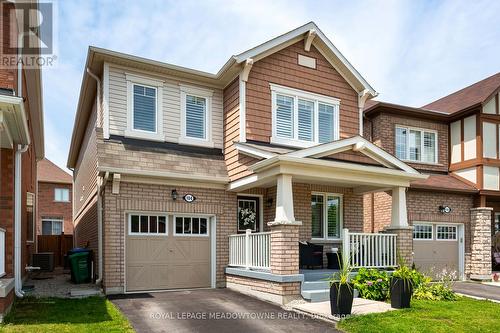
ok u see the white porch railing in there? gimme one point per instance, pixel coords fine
(369, 250)
(250, 250)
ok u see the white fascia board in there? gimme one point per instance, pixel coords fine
(15, 116)
(300, 32)
(252, 151)
(370, 150)
(311, 162)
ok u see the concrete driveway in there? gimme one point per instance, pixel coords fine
(211, 310)
(478, 290)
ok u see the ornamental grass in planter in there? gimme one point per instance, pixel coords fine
(401, 287)
(341, 290)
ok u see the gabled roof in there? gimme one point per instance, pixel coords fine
(355, 143)
(48, 172)
(308, 32)
(468, 97)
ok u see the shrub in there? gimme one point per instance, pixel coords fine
(438, 291)
(372, 284)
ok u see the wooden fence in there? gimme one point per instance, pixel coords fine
(58, 244)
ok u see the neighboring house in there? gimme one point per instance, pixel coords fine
(455, 140)
(172, 165)
(55, 211)
(21, 142)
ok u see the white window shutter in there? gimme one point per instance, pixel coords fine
(326, 122)
(305, 120)
(284, 116)
(144, 115)
(196, 111)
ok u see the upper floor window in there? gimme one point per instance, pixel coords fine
(144, 98)
(303, 119)
(144, 113)
(61, 195)
(196, 116)
(416, 145)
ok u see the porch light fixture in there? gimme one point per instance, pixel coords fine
(445, 209)
(174, 194)
(269, 202)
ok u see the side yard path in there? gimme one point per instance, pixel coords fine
(51, 315)
(464, 315)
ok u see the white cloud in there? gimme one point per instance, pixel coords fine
(410, 51)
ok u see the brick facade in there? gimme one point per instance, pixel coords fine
(85, 232)
(383, 127)
(49, 208)
(157, 198)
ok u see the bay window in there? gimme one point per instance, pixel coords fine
(416, 145)
(303, 119)
(326, 211)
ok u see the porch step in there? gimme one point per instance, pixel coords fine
(315, 285)
(318, 295)
(319, 275)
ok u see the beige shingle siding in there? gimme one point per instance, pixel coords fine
(114, 154)
(171, 105)
(85, 173)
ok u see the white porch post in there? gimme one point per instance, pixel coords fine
(284, 200)
(399, 216)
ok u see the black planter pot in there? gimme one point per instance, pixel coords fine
(401, 292)
(341, 297)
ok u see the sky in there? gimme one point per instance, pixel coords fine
(411, 52)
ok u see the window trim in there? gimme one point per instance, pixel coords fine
(447, 240)
(325, 222)
(317, 99)
(64, 189)
(421, 130)
(51, 220)
(207, 217)
(148, 234)
(156, 84)
(423, 224)
(207, 94)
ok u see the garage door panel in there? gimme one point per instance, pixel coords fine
(432, 256)
(167, 262)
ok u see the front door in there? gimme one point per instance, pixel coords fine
(248, 214)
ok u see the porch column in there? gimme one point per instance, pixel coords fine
(284, 199)
(399, 226)
(284, 230)
(399, 216)
(480, 260)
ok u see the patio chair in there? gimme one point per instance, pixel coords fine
(310, 255)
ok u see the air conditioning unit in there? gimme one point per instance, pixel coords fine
(44, 260)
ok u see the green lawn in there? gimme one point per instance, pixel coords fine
(464, 315)
(93, 314)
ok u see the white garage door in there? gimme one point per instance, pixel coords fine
(436, 247)
(167, 252)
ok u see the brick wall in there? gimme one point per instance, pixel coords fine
(49, 208)
(383, 135)
(7, 206)
(157, 198)
(85, 231)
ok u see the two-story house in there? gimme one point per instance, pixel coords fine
(21, 145)
(55, 210)
(186, 179)
(455, 141)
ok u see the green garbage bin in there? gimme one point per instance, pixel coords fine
(79, 263)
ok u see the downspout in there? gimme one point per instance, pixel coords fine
(99, 187)
(17, 220)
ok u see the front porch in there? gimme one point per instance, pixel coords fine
(310, 196)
